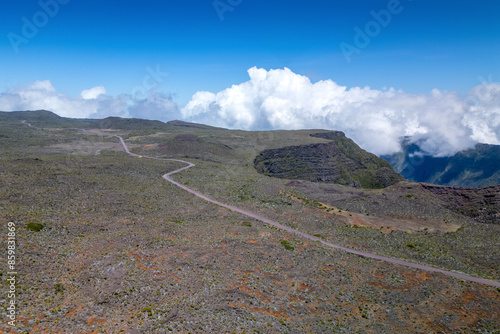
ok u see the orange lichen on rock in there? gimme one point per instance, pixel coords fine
(141, 265)
(135, 255)
(175, 277)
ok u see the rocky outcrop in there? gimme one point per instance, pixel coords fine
(339, 161)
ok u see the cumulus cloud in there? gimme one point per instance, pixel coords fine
(442, 122)
(92, 103)
(93, 93)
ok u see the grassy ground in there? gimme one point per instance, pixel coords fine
(123, 250)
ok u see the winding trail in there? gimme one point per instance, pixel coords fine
(305, 235)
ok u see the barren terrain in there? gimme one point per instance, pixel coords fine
(122, 250)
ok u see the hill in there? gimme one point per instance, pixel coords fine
(129, 124)
(339, 161)
(476, 167)
(43, 118)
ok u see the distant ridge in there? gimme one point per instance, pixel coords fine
(43, 118)
(191, 125)
(476, 167)
(40, 115)
(141, 124)
(128, 124)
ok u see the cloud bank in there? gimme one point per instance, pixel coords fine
(442, 122)
(92, 103)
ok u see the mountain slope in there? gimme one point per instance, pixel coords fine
(339, 161)
(482, 204)
(42, 118)
(477, 167)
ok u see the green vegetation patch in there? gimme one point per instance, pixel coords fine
(288, 245)
(35, 227)
(148, 310)
(247, 224)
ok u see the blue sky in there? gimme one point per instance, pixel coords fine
(430, 44)
(110, 48)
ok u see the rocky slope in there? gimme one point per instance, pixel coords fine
(482, 204)
(338, 161)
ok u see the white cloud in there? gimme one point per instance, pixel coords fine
(93, 93)
(442, 122)
(92, 103)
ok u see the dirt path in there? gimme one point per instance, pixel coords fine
(305, 235)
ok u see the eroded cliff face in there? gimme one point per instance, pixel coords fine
(482, 204)
(338, 161)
